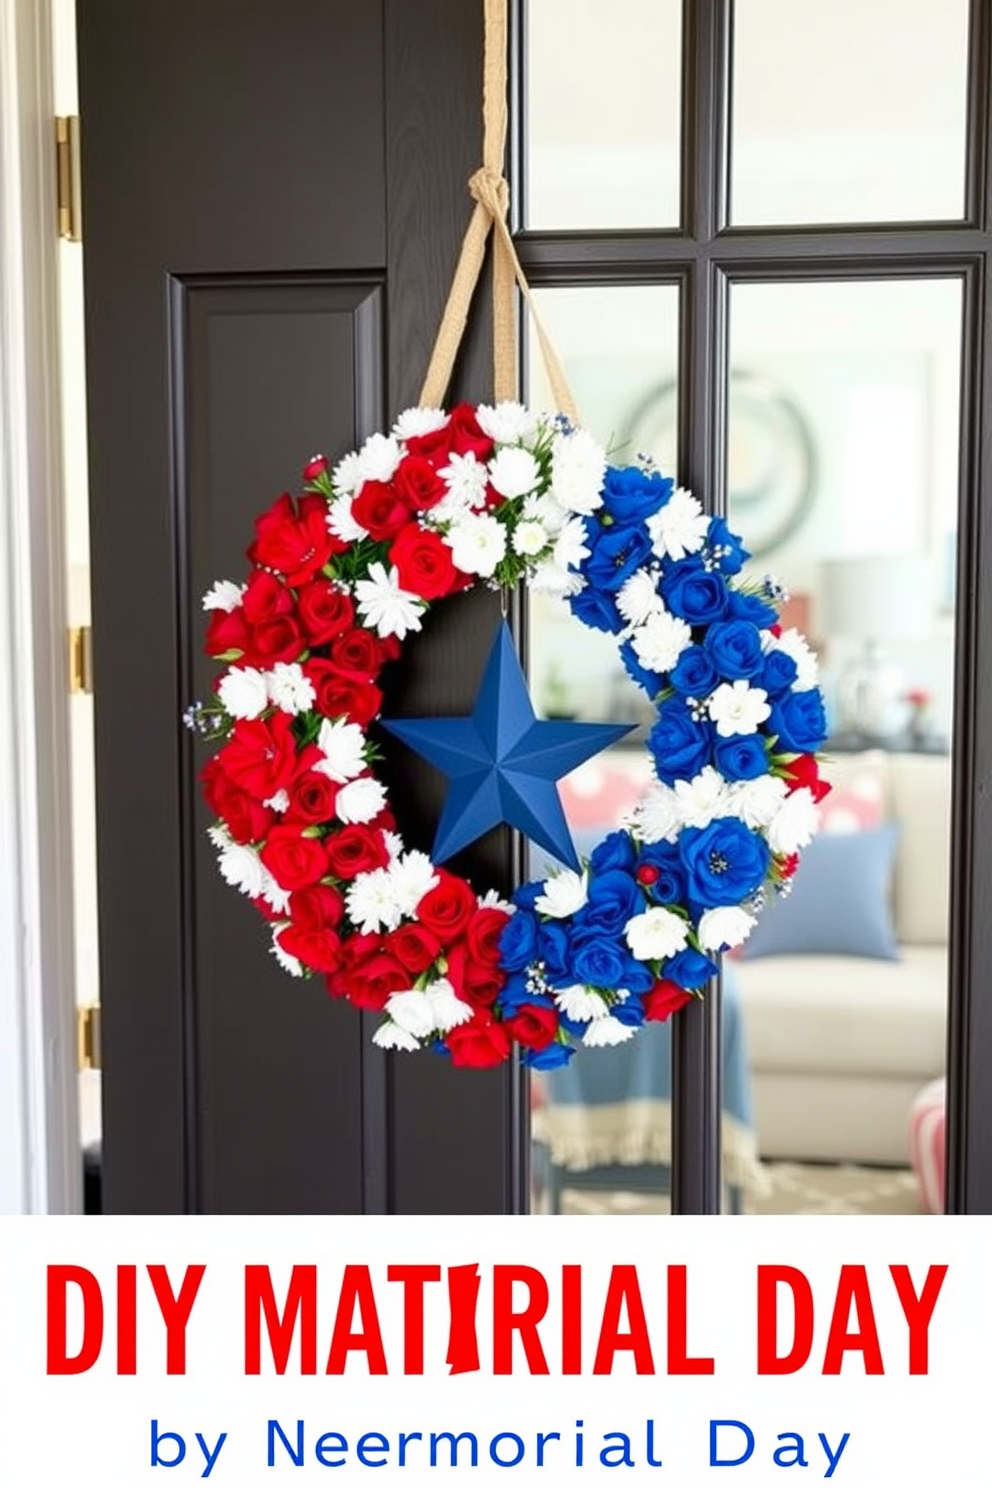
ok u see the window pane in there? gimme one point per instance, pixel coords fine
(603, 101)
(843, 480)
(852, 111)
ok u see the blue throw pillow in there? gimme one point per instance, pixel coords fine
(839, 904)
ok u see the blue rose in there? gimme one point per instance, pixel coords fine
(798, 721)
(630, 1012)
(616, 554)
(726, 547)
(613, 898)
(596, 609)
(742, 757)
(694, 674)
(690, 969)
(554, 949)
(679, 745)
(735, 646)
(637, 976)
(615, 851)
(552, 1056)
(631, 495)
(526, 895)
(518, 941)
(724, 862)
(599, 962)
(649, 682)
(515, 992)
(778, 673)
(752, 607)
(669, 886)
(695, 593)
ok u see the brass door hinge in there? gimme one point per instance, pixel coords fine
(69, 178)
(80, 659)
(88, 1051)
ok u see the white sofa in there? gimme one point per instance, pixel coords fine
(840, 1045)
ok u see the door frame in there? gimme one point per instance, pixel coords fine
(40, 1159)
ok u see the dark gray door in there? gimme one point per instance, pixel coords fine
(274, 199)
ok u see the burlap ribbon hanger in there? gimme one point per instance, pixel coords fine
(491, 193)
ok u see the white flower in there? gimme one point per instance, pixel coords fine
(564, 894)
(384, 606)
(290, 690)
(244, 692)
(578, 467)
(658, 817)
(680, 527)
(795, 823)
(412, 876)
(529, 538)
(796, 646)
(545, 509)
(224, 595)
(703, 798)
(346, 477)
(738, 708)
(466, 479)
(242, 868)
(394, 844)
(448, 1008)
(391, 1036)
(415, 421)
(581, 1005)
(279, 802)
(507, 422)
(606, 1032)
(492, 899)
(513, 472)
(379, 457)
(274, 894)
(656, 934)
(342, 523)
(723, 928)
(660, 641)
(343, 746)
(411, 1011)
(360, 801)
(286, 961)
(570, 545)
(550, 578)
(477, 543)
(638, 597)
(757, 802)
(371, 902)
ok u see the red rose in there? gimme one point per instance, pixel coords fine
(325, 611)
(465, 436)
(534, 1025)
(414, 946)
(226, 633)
(480, 1043)
(368, 974)
(272, 641)
(342, 694)
(476, 982)
(664, 999)
(266, 597)
(359, 651)
(424, 562)
(260, 756)
(293, 859)
(274, 916)
(312, 798)
(380, 510)
(418, 484)
(355, 849)
(314, 468)
(318, 949)
(447, 908)
(483, 933)
(316, 907)
(804, 771)
(294, 543)
(245, 817)
(434, 446)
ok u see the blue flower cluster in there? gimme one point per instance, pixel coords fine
(725, 652)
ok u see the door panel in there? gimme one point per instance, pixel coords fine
(274, 197)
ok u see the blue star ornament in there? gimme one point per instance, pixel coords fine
(502, 762)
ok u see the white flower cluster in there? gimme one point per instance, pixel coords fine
(247, 692)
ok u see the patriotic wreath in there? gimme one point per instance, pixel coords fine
(343, 575)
